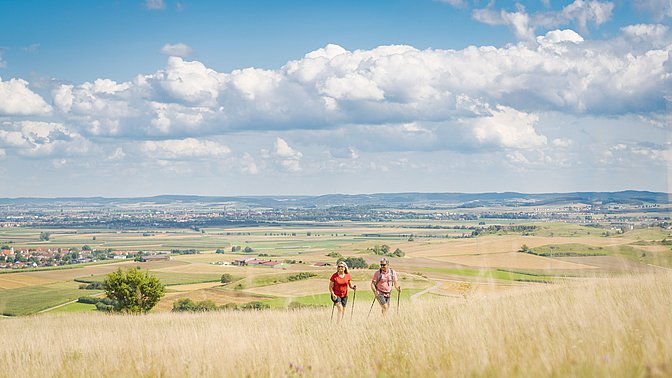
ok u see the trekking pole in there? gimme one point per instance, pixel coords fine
(374, 301)
(398, 295)
(332, 311)
(354, 296)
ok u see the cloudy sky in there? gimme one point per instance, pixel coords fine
(124, 98)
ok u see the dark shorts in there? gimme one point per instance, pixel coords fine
(342, 300)
(383, 298)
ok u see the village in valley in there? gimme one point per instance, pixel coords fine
(468, 216)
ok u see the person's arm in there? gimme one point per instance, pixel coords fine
(373, 284)
(353, 287)
(331, 288)
(396, 282)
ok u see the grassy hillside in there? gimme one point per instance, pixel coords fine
(616, 327)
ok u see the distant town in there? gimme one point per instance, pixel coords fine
(472, 214)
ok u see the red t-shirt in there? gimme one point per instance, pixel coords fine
(340, 284)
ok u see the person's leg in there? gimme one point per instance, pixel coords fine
(343, 302)
(339, 306)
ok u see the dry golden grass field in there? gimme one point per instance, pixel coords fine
(609, 327)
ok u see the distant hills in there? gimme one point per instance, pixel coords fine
(399, 200)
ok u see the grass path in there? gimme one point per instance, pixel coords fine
(65, 304)
(417, 295)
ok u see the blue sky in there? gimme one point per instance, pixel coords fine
(131, 98)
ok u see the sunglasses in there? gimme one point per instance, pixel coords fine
(383, 264)
(341, 266)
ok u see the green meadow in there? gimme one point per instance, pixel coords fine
(32, 299)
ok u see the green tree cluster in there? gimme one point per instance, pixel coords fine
(385, 251)
(187, 305)
(354, 262)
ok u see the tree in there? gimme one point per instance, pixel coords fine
(184, 304)
(398, 253)
(226, 278)
(44, 236)
(133, 290)
(354, 262)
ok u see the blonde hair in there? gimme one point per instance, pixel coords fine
(344, 266)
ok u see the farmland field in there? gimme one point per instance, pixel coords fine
(438, 258)
(31, 299)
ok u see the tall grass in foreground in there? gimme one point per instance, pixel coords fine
(616, 327)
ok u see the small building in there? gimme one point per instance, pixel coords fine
(242, 261)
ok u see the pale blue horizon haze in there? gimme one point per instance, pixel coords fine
(125, 98)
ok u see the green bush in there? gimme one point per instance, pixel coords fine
(301, 276)
(226, 278)
(186, 304)
(398, 253)
(89, 300)
(101, 306)
(255, 305)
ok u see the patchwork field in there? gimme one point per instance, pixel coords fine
(438, 261)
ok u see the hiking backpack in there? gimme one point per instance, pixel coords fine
(393, 275)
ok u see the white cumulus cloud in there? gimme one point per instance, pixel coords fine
(189, 82)
(36, 139)
(290, 159)
(523, 24)
(184, 148)
(508, 128)
(179, 49)
(17, 99)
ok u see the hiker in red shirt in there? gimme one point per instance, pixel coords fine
(338, 287)
(382, 282)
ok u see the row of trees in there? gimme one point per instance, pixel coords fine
(237, 248)
(385, 251)
(188, 305)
